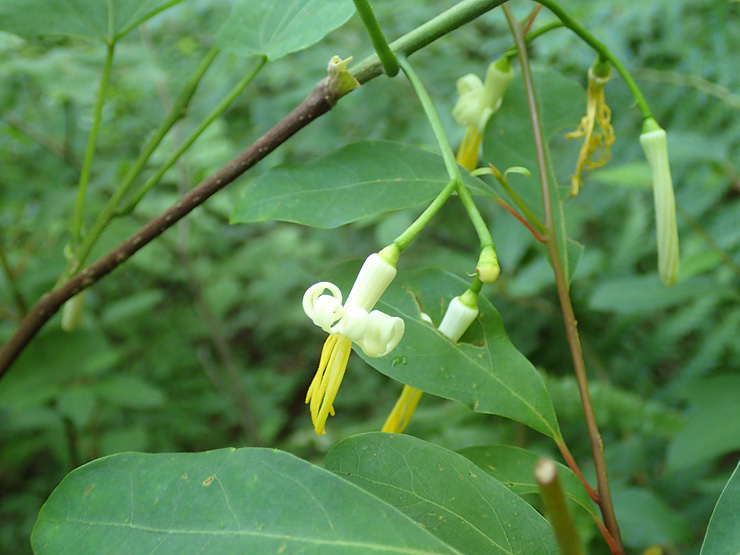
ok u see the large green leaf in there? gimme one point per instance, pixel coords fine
(713, 426)
(358, 180)
(98, 20)
(224, 501)
(508, 142)
(279, 27)
(514, 467)
(723, 533)
(484, 370)
(444, 492)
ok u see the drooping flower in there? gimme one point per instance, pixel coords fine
(476, 104)
(462, 312)
(595, 151)
(375, 332)
(654, 142)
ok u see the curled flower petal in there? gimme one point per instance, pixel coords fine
(383, 334)
(326, 311)
(315, 291)
(353, 323)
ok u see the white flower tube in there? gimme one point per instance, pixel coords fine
(655, 144)
(457, 319)
(375, 332)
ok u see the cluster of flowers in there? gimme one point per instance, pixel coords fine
(377, 333)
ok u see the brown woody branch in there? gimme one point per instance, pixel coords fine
(316, 104)
(320, 101)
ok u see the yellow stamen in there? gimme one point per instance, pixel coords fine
(467, 155)
(595, 151)
(328, 378)
(403, 410)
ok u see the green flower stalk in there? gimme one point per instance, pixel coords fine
(655, 144)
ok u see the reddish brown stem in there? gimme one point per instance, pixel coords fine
(519, 217)
(531, 17)
(573, 465)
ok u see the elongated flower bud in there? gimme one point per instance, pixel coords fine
(655, 144)
(72, 312)
(462, 312)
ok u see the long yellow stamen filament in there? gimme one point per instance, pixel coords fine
(595, 151)
(325, 385)
(403, 410)
(467, 155)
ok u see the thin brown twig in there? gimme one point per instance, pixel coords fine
(597, 448)
(320, 101)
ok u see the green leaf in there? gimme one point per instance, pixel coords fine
(128, 391)
(646, 520)
(713, 427)
(646, 294)
(444, 492)
(723, 533)
(508, 142)
(358, 180)
(224, 501)
(484, 370)
(279, 27)
(97, 20)
(514, 467)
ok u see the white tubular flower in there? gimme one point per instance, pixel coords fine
(478, 101)
(655, 144)
(375, 332)
(457, 319)
(476, 104)
(462, 312)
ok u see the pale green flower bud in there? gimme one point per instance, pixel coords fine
(655, 144)
(488, 268)
(72, 312)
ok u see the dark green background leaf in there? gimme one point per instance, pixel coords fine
(99, 20)
(715, 401)
(723, 533)
(279, 27)
(444, 492)
(358, 180)
(224, 501)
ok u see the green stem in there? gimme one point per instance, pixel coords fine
(215, 113)
(403, 240)
(76, 229)
(178, 110)
(20, 302)
(453, 168)
(569, 319)
(532, 35)
(386, 55)
(458, 15)
(556, 508)
(602, 51)
(522, 206)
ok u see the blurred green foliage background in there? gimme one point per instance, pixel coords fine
(199, 341)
